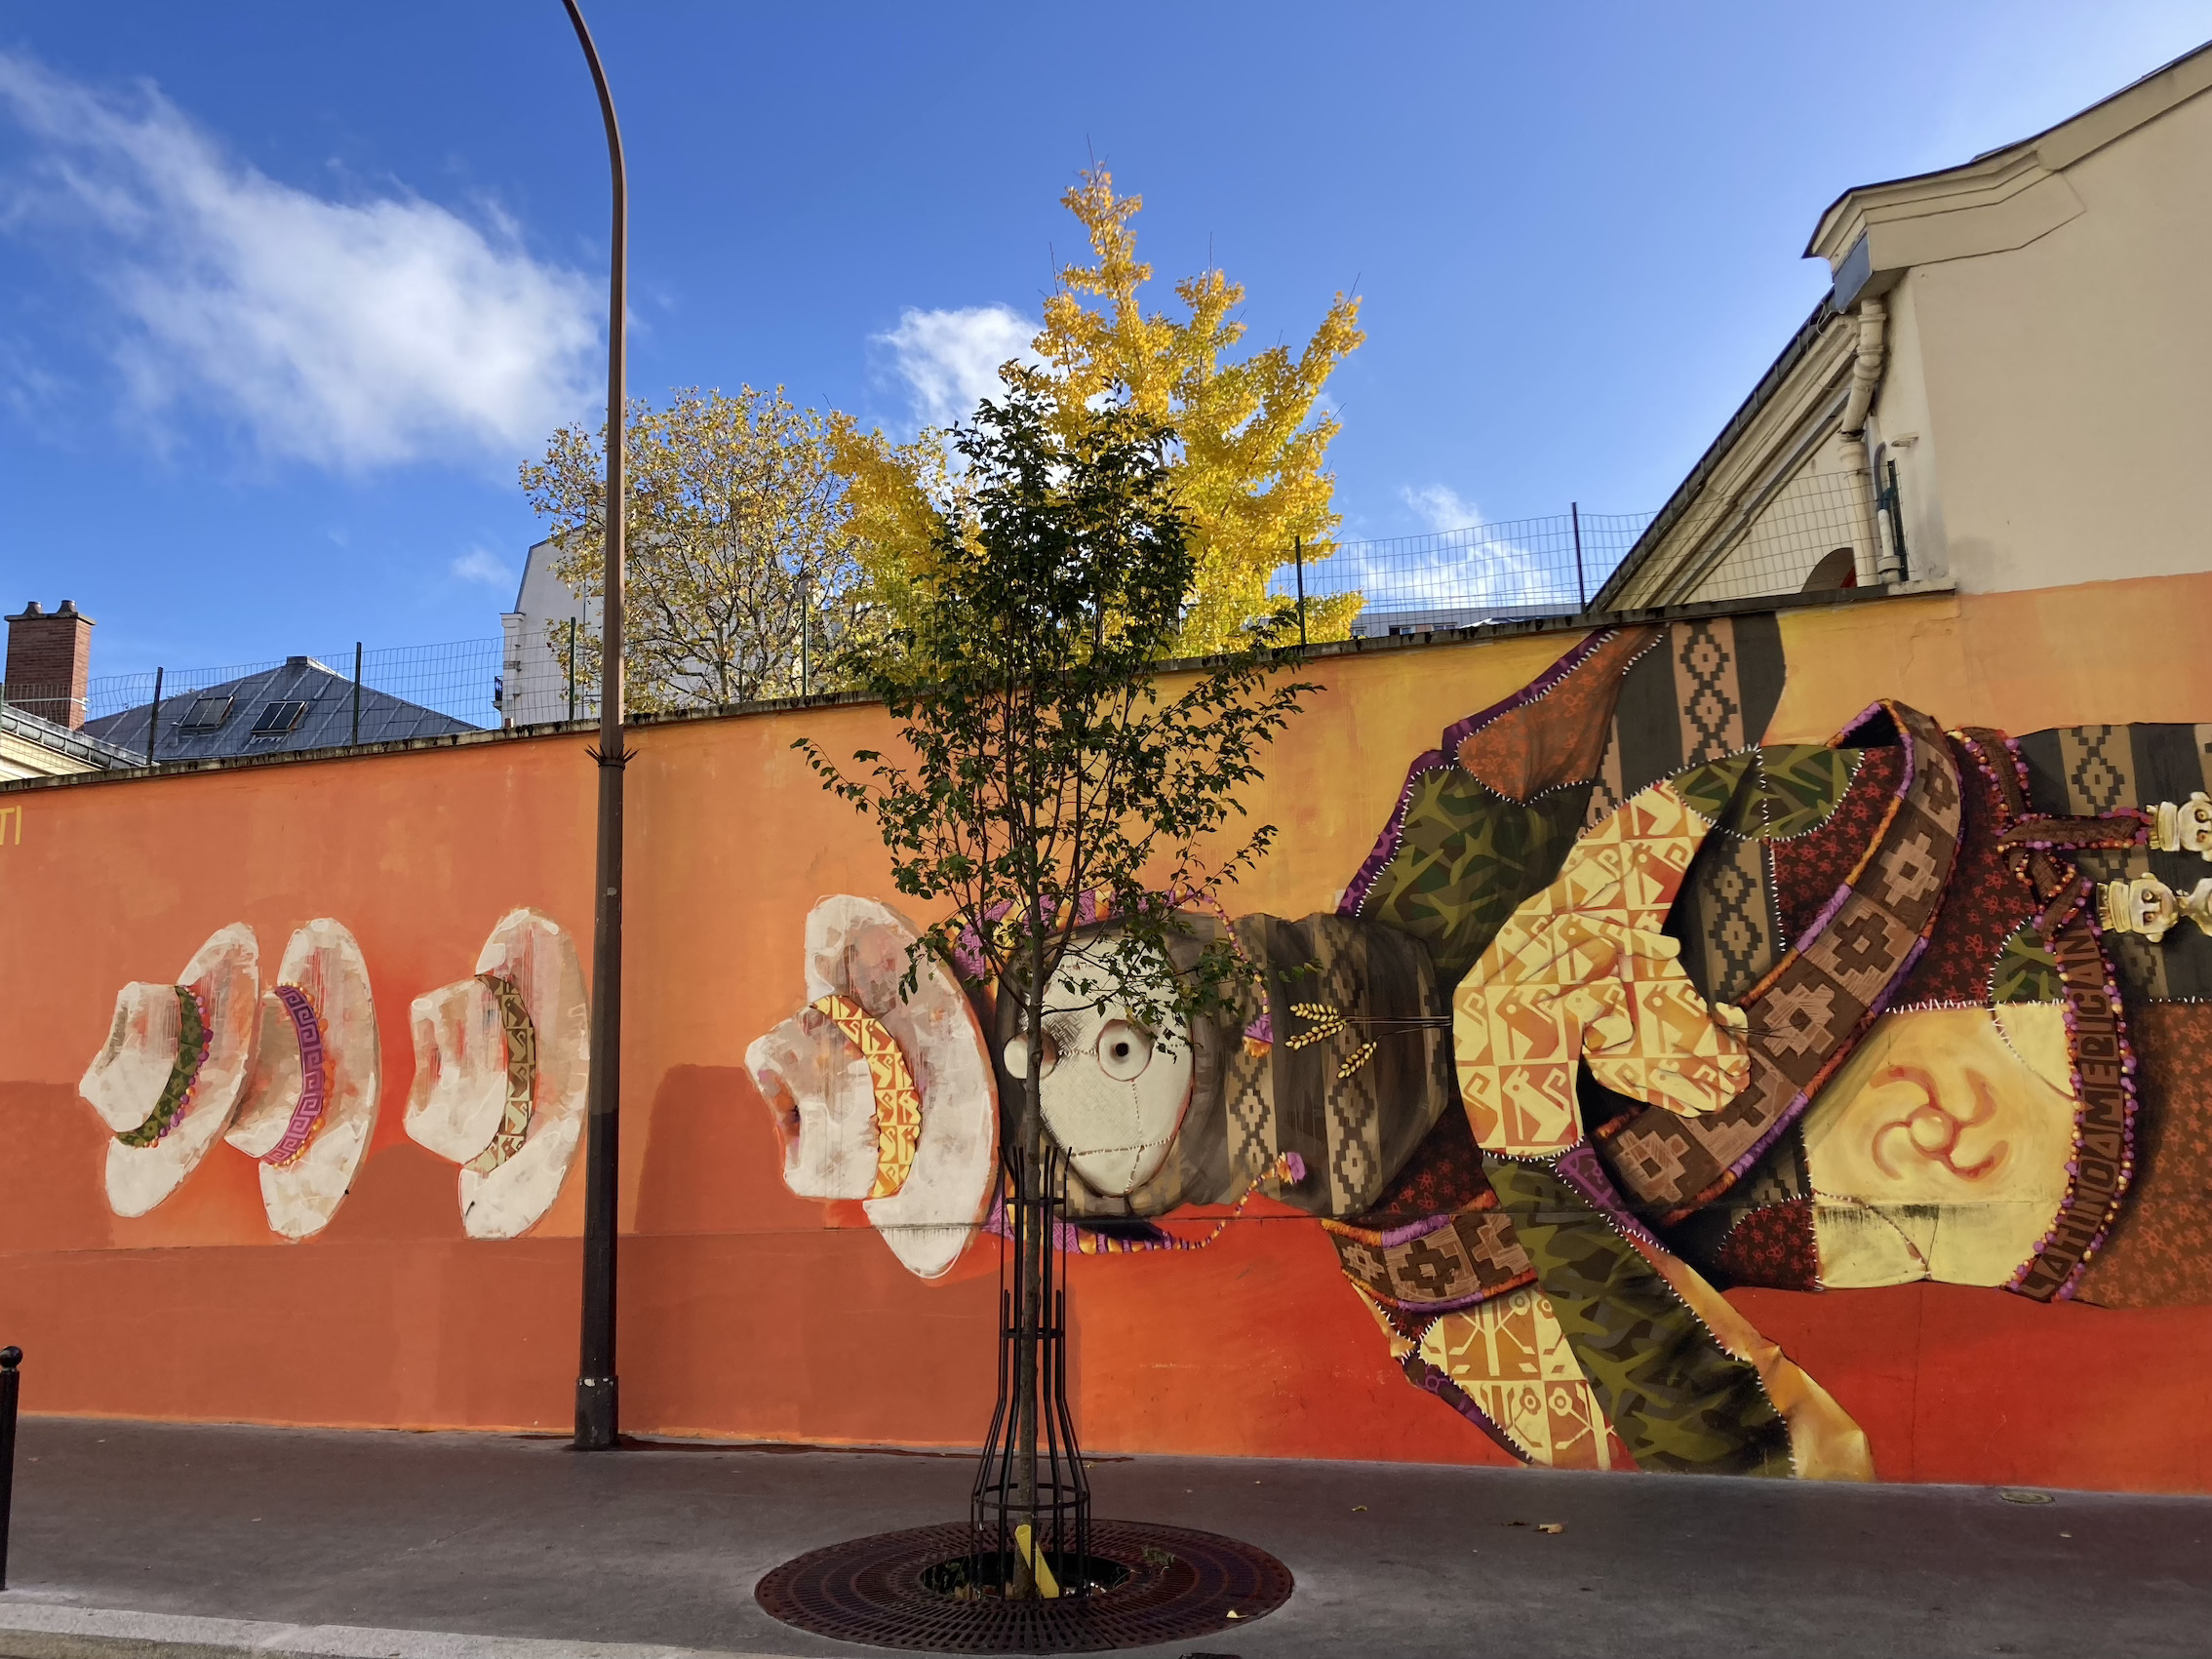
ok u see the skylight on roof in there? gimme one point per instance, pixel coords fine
(206, 714)
(279, 718)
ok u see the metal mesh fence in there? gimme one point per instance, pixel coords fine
(1776, 543)
(545, 674)
(541, 672)
(457, 678)
(1457, 579)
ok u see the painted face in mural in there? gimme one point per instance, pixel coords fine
(2144, 905)
(1114, 1091)
(1939, 1151)
(2182, 828)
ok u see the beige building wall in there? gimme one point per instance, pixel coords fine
(2044, 377)
(2051, 404)
(1899, 430)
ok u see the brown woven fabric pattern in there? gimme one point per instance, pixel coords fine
(2159, 1251)
(1809, 1014)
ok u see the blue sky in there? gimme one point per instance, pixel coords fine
(287, 290)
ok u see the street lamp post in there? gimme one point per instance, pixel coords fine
(597, 1416)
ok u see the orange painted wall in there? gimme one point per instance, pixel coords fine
(745, 1311)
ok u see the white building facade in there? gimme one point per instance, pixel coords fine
(541, 656)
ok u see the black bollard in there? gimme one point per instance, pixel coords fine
(11, 1383)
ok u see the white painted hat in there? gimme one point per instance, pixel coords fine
(849, 1075)
(312, 1106)
(500, 1067)
(170, 1075)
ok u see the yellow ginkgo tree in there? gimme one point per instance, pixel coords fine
(1251, 461)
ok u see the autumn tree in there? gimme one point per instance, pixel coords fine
(741, 552)
(1248, 468)
(1045, 776)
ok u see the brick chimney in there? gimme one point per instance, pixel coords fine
(50, 663)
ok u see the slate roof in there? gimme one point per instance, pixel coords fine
(325, 722)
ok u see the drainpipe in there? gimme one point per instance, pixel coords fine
(1866, 376)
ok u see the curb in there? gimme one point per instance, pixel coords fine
(31, 1629)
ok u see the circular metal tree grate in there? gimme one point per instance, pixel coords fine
(881, 1590)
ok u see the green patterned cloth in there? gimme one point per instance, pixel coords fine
(1792, 789)
(1468, 858)
(1675, 1398)
(2026, 970)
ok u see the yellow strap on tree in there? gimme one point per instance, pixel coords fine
(1047, 1584)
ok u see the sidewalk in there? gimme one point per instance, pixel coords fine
(140, 1538)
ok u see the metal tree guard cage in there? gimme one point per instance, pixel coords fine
(1052, 1528)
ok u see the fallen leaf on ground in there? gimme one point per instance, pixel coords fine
(1552, 1526)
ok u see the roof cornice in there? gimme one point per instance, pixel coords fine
(2004, 198)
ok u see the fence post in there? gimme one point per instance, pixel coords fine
(357, 692)
(1581, 587)
(154, 720)
(571, 669)
(1298, 556)
(9, 1383)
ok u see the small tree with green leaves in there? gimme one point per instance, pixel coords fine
(1051, 772)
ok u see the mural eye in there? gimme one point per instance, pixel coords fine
(1124, 1050)
(1018, 1056)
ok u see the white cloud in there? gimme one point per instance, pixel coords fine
(1440, 508)
(347, 334)
(481, 564)
(949, 360)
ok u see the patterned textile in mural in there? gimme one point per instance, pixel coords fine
(1771, 1244)
(1625, 1004)
(1466, 856)
(1444, 1175)
(1355, 1070)
(2082, 771)
(1447, 1262)
(1807, 1013)
(2159, 1253)
(1704, 690)
(1804, 830)
(1674, 1397)
(1513, 1359)
(1583, 975)
(1987, 901)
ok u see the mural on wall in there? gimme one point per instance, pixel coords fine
(310, 1105)
(846, 1077)
(1625, 1010)
(175, 1061)
(501, 1060)
(291, 1076)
